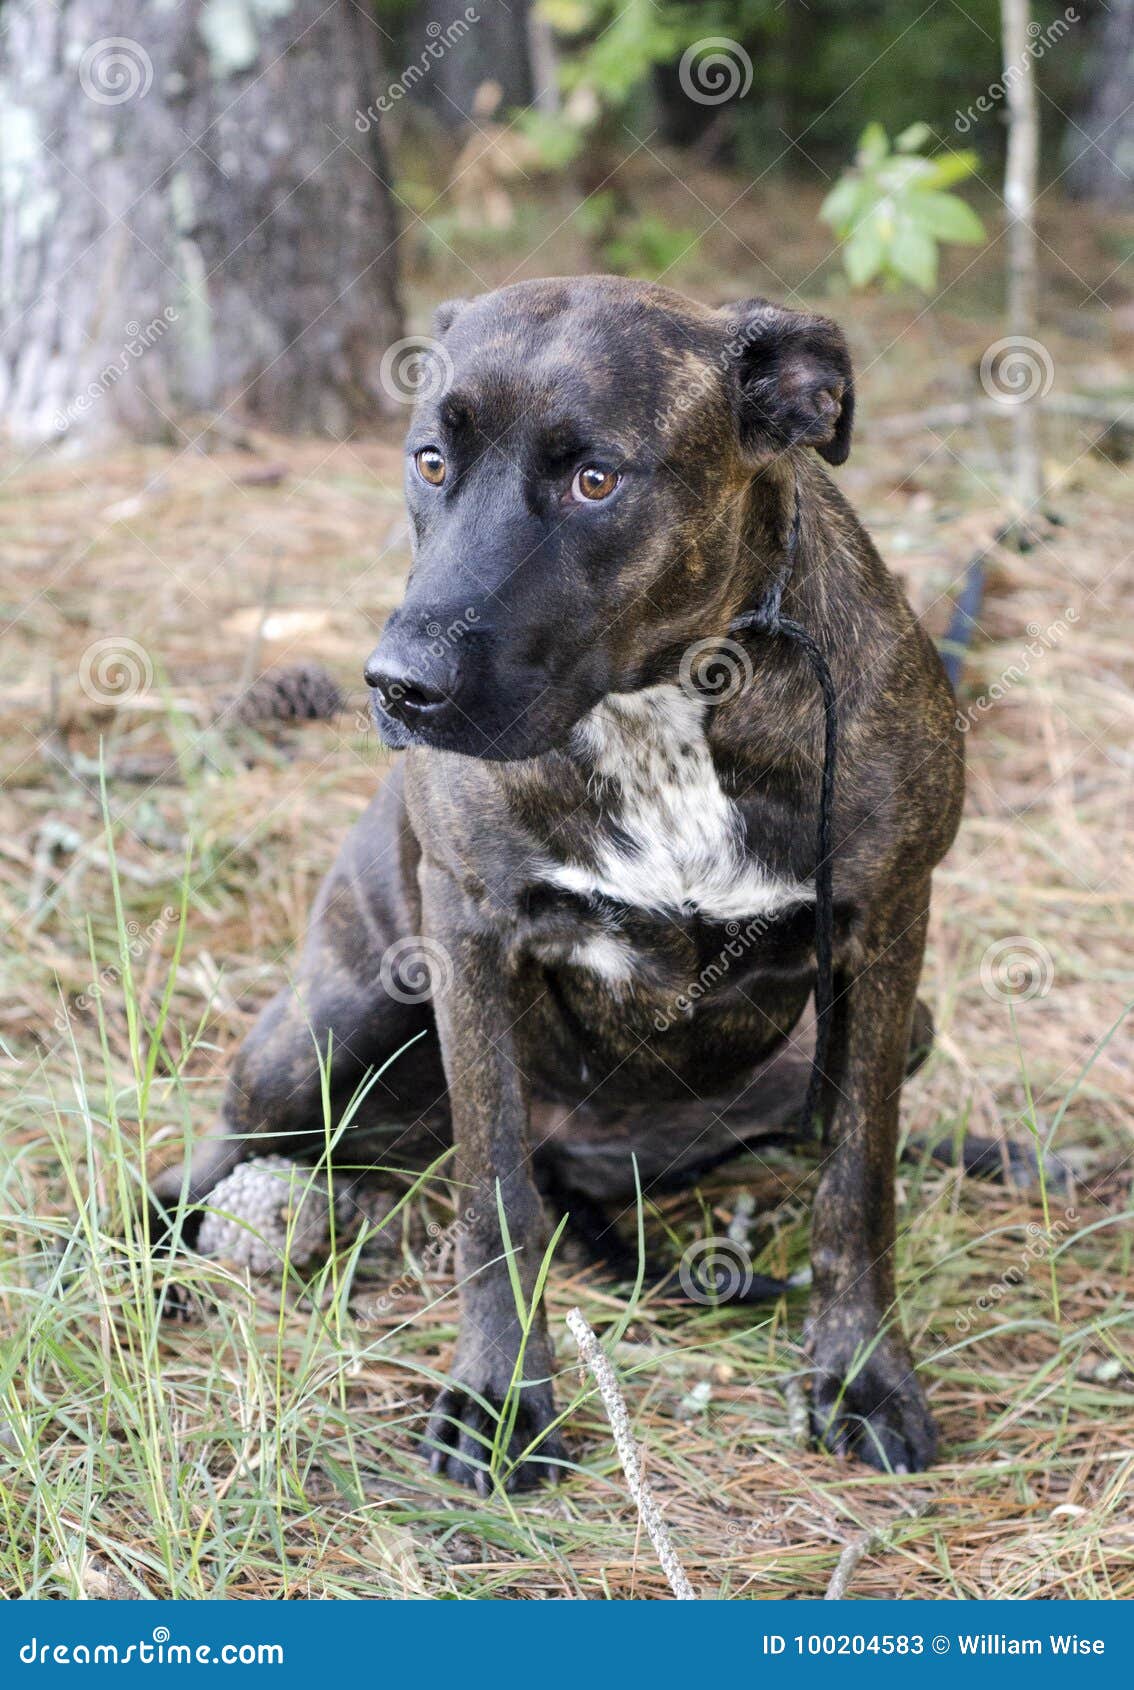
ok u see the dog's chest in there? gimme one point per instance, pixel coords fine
(668, 838)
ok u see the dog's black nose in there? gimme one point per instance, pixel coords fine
(404, 694)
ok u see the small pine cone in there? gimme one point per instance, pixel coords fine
(295, 692)
(265, 1210)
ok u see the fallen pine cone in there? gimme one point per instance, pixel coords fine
(264, 1212)
(294, 692)
(269, 1209)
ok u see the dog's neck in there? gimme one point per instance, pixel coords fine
(803, 551)
(769, 533)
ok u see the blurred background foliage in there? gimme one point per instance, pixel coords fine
(586, 86)
(816, 69)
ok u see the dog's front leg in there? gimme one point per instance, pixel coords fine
(866, 1397)
(478, 1006)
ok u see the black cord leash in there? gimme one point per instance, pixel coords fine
(769, 619)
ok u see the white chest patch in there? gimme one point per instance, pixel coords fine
(684, 849)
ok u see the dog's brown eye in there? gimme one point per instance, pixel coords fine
(430, 465)
(593, 483)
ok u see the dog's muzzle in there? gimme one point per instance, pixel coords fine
(405, 696)
(414, 685)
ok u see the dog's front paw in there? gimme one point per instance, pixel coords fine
(481, 1432)
(866, 1399)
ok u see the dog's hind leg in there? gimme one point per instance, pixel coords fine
(593, 1228)
(361, 996)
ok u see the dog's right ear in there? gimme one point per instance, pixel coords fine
(793, 382)
(446, 315)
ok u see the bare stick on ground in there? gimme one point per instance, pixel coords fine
(855, 1552)
(619, 1418)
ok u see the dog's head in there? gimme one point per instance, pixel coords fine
(577, 482)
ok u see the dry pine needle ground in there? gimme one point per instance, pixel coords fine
(268, 1450)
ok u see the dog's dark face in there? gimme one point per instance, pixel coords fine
(577, 485)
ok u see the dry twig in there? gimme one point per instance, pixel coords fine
(877, 1538)
(619, 1418)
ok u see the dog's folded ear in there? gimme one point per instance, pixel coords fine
(794, 384)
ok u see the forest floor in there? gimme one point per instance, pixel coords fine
(269, 1449)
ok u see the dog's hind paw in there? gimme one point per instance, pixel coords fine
(1001, 1161)
(466, 1432)
(873, 1408)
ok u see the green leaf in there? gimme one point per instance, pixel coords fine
(913, 255)
(890, 209)
(873, 145)
(897, 174)
(912, 140)
(593, 213)
(864, 253)
(557, 141)
(567, 17)
(947, 218)
(842, 203)
(951, 168)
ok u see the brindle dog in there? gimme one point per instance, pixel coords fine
(602, 478)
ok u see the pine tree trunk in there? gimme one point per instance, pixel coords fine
(1101, 146)
(189, 218)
